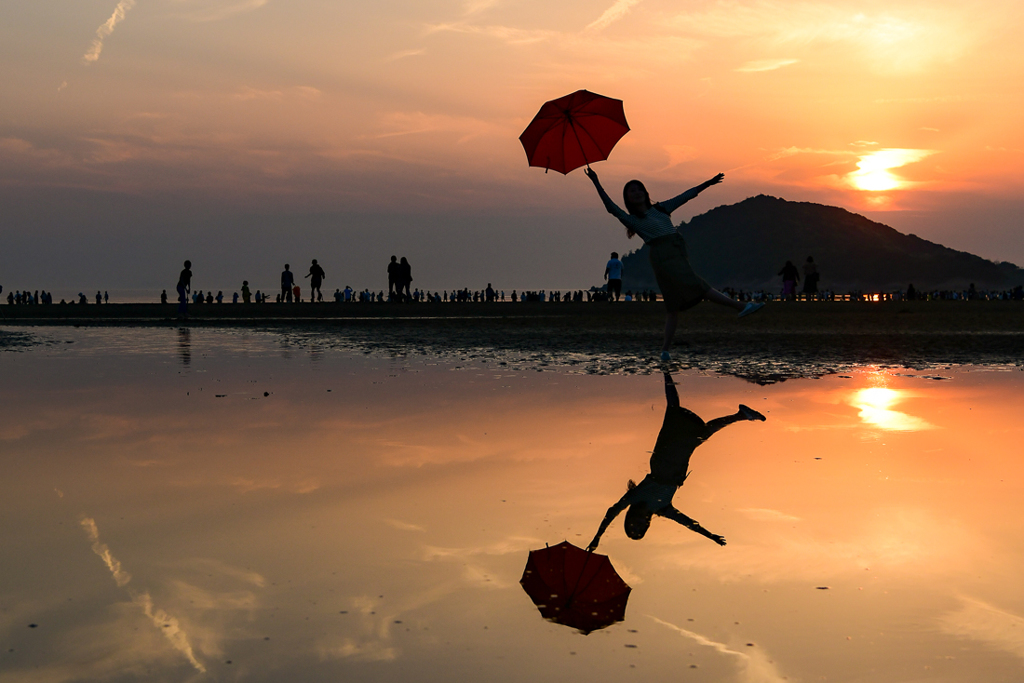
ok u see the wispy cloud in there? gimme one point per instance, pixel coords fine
(612, 14)
(403, 54)
(106, 29)
(203, 11)
(766, 65)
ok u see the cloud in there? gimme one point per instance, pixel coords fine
(403, 526)
(202, 11)
(755, 665)
(506, 34)
(106, 29)
(403, 54)
(766, 65)
(612, 14)
(476, 6)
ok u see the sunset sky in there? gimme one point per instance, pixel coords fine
(246, 133)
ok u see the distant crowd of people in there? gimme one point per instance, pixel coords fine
(399, 273)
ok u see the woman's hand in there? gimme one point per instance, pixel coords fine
(717, 179)
(590, 173)
(720, 540)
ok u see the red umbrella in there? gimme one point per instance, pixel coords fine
(574, 131)
(574, 587)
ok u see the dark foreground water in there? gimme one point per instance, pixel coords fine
(263, 506)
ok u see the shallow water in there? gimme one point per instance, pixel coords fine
(239, 505)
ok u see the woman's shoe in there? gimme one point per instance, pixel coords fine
(752, 307)
(751, 414)
(665, 355)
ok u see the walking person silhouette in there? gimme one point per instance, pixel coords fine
(681, 433)
(680, 286)
(316, 276)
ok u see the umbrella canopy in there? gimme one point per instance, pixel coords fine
(574, 587)
(574, 131)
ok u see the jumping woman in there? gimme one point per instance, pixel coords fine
(680, 286)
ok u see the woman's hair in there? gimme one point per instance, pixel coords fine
(633, 209)
(637, 521)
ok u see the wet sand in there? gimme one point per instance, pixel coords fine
(782, 341)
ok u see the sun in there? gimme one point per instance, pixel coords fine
(873, 172)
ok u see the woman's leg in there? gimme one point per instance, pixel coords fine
(716, 297)
(671, 320)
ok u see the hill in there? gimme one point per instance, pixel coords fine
(744, 246)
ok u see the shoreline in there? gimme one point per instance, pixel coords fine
(909, 317)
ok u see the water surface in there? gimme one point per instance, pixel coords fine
(240, 505)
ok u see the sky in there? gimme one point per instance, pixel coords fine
(242, 134)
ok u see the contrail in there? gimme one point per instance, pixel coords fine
(106, 29)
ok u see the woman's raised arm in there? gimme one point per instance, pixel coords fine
(677, 201)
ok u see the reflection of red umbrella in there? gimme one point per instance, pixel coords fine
(573, 131)
(575, 587)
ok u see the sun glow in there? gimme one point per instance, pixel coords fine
(873, 170)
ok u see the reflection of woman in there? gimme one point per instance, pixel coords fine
(681, 287)
(681, 433)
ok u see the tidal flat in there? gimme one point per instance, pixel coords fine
(331, 502)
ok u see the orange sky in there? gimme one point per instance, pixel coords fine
(335, 121)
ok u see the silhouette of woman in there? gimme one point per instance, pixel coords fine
(681, 433)
(680, 286)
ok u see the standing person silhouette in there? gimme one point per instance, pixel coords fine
(394, 274)
(680, 286)
(287, 282)
(613, 274)
(790, 276)
(681, 433)
(404, 279)
(316, 276)
(811, 276)
(184, 287)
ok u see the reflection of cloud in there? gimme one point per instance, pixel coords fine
(475, 573)
(167, 624)
(899, 540)
(766, 65)
(766, 515)
(612, 14)
(756, 666)
(121, 577)
(982, 622)
(403, 526)
(106, 29)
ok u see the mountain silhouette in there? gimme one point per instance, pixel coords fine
(745, 245)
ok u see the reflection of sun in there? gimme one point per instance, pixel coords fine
(873, 170)
(875, 409)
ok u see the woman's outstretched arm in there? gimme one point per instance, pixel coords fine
(677, 201)
(691, 524)
(611, 206)
(612, 513)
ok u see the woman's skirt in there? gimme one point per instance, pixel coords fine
(680, 286)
